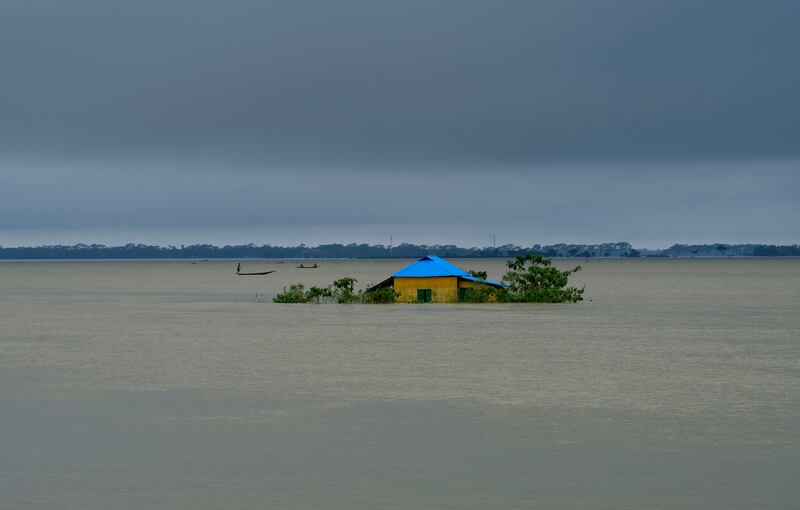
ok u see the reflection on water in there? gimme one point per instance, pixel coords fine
(173, 385)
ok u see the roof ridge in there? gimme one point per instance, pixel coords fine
(434, 266)
(447, 266)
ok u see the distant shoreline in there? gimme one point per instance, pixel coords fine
(365, 259)
(353, 251)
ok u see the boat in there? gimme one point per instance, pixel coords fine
(301, 266)
(260, 273)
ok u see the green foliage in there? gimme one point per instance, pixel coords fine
(295, 294)
(380, 296)
(342, 290)
(477, 294)
(533, 279)
(317, 294)
(344, 284)
(479, 274)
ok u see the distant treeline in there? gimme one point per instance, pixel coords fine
(406, 250)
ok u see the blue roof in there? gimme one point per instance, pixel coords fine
(479, 280)
(431, 266)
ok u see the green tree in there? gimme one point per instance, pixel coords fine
(342, 290)
(317, 294)
(479, 274)
(533, 279)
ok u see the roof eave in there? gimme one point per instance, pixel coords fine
(385, 283)
(485, 282)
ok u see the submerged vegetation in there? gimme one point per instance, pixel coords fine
(339, 291)
(295, 294)
(380, 296)
(530, 279)
(477, 294)
(533, 279)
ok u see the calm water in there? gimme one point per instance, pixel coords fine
(177, 385)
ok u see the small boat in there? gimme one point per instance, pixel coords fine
(301, 266)
(240, 273)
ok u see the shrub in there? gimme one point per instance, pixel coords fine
(342, 290)
(317, 294)
(380, 296)
(477, 294)
(295, 294)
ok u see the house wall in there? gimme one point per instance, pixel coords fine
(444, 288)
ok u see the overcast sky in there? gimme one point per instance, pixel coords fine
(430, 121)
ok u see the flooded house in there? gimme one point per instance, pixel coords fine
(433, 280)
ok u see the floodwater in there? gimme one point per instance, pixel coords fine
(139, 385)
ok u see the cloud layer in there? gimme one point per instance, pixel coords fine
(320, 121)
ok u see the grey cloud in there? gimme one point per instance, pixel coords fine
(750, 202)
(541, 121)
(416, 82)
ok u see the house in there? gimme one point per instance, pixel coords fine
(432, 280)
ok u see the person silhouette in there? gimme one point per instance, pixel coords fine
(238, 267)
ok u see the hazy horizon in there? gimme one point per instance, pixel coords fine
(395, 243)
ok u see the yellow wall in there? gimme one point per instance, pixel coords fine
(444, 288)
